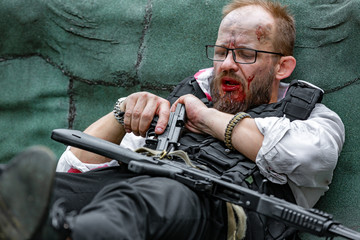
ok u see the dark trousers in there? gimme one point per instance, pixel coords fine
(114, 203)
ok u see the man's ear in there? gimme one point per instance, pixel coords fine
(285, 67)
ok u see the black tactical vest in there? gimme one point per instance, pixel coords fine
(211, 155)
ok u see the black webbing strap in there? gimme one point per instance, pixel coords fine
(188, 86)
(299, 101)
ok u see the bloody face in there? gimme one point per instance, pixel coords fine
(237, 87)
(232, 94)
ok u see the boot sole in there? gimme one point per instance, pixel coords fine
(25, 190)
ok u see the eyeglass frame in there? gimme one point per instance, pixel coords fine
(234, 56)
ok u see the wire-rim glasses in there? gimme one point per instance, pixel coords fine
(240, 55)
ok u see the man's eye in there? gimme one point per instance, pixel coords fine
(245, 54)
(220, 53)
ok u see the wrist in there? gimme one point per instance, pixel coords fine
(119, 110)
(230, 127)
(214, 123)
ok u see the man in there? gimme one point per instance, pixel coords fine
(294, 145)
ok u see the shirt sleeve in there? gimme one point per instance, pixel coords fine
(68, 162)
(303, 152)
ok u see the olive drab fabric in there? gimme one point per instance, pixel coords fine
(63, 64)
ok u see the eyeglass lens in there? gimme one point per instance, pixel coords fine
(217, 53)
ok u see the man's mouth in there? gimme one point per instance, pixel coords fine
(229, 84)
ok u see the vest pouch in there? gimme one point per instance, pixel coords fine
(218, 156)
(191, 143)
(242, 174)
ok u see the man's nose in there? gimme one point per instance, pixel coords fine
(229, 63)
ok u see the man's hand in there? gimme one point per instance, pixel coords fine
(246, 137)
(140, 109)
(198, 115)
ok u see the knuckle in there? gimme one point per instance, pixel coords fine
(136, 114)
(145, 95)
(128, 114)
(164, 101)
(147, 117)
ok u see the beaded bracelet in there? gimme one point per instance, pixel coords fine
(230, 127)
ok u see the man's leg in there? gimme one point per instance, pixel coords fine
(144, 207)
(72, 192)
(129, 207)
(78, 189)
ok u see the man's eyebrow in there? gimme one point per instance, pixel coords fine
(236, 47)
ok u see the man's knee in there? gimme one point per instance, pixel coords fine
(170, 193)
(96, 225)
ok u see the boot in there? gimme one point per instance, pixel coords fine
(25, 189)
(61, 220)
(59, 224)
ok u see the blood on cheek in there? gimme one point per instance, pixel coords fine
(249, 80)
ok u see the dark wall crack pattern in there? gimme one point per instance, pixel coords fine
(346, 84)
(72, 106)
(146, 26)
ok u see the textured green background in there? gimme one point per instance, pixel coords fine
(64, 63)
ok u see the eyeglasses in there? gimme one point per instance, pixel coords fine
(240, 55)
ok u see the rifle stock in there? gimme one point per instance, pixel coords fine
(308, 220)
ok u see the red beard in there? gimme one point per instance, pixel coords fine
(240, 95)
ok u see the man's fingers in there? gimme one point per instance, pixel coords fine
(140, 109)
(164, 114)
(137, 114)
(129, 106)
(147, 116)
(179, 100)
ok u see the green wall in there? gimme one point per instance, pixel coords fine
(63, 64)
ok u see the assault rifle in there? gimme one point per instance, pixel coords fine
(307, 220)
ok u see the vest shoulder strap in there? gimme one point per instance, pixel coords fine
(188, 86)
(299, 101)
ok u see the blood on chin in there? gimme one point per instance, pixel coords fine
(230, 102)
(228, 94)
(232, 88)
(235, 96)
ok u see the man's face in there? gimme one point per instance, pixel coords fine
(236, 87)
